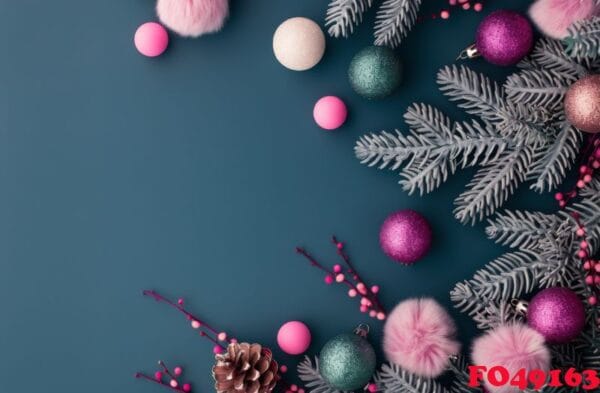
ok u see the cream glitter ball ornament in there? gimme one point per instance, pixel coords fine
(299, 44)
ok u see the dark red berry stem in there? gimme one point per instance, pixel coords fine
(355, 284)
(351, 270)
(161, 383)
(189, 316)
(589, 165)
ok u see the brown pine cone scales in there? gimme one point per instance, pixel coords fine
(245, 368)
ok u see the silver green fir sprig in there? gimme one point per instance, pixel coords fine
(393, 21)
(518, 133)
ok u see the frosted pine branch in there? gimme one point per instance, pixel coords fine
(460, 384)
(521, 134)
(344, 15)
(522, 230)
(508, 276)
(549, 55)
(394, 20)
(393, 379)
(434, 148)
(583, 41)
(312, 378)
(493, 184)
(472, 91)
(552, 167)
(478, 95)
(537, 88)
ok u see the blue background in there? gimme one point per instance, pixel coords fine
(196, 174)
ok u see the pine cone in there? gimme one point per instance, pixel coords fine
(245, 368)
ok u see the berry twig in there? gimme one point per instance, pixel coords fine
(206, 331)
(173, 382)
(591, 266)
(369, 301)
(590, 164)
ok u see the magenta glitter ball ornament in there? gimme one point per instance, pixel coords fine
(405, 236)
(504, 37)
(557, 314)
(582, 104)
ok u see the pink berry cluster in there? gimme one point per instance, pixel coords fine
(591, 266)
(463, 4)
(168, 378)
(346, 275)
(218, 338)
(289, 388)
(586, 173)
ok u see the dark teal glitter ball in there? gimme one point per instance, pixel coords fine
(375, 72)
(347, 362)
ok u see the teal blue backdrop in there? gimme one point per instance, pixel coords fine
(196, 174)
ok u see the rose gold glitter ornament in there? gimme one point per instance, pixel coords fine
(582, 104)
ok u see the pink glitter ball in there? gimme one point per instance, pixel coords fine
(405, 236)
(504, 37)
(557, 314)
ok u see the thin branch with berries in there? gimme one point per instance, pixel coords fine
(587, 171)
(206, 330)
(167, 378)
(349, 276)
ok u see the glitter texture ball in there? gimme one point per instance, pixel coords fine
(504, 37)
(557, 314)
(347, 362)
(294, 337)
(151, 39)
(330, 112)
(582, 104)
(405, 236)
(375, 72)
(299, 44)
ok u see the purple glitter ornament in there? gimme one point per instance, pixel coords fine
(504, 37)
(405, 236)
(557, 314)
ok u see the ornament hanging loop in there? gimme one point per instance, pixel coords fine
(520, 306)
(362, 330)
(470, 52)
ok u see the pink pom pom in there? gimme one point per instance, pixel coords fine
(192, 18)
(419, 337)
(514, 347)
(553, 17)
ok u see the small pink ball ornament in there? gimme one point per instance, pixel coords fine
(557, 314)
(503, 38)
(330, 112)
(582, 104)
(405, 236)
(151, 39)
(294, 337)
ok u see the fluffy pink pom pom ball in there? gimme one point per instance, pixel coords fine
(192, 18)
(553, 17)
(514, 347)
(419, 337)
